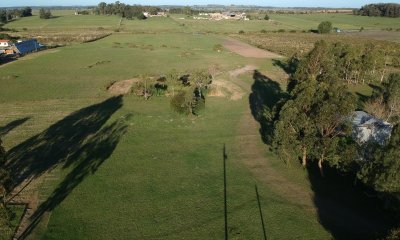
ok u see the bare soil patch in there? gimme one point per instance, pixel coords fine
(243, 70)
(247, 50)
(122, 87)
(222, 86)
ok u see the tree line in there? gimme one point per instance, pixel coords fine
(10, 14)
(356, 63)
(313, 124)
(379, 10)
(124, 10)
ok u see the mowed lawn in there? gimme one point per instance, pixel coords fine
(133, 169)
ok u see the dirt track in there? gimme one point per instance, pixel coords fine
(247, 50)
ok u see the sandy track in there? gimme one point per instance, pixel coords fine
(122, 87)
(247, 50)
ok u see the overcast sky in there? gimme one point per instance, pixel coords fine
(274, 3)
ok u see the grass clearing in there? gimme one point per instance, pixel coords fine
(125, 168)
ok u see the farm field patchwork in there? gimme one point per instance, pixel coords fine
(113, 167)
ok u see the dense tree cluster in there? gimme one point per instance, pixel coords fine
(190, 98)
(124, 10)
(385, 101)
(356, 63)
(382, 171)
(313, 124)
(379, 10)
(310, 125)
(325, 27)
(44, 13)
(8, 15)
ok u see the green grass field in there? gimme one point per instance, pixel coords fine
(126, 168)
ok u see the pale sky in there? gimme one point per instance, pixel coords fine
(274, 3)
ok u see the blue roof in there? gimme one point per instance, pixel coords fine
(28, 46)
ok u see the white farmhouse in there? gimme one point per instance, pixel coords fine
(4, 43)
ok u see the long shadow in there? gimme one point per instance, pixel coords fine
(265, 101)
(79, 141)
(289, 67)
(4, 130)
(344, 209)
(60, 143)
(88, 159)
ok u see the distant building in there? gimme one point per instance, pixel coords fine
(158, 14)
(5, 43)
(367, 128)
(228, 16)
(27, 46)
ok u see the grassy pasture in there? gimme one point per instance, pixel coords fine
(135, 169)
(163, 179)
(340, 20)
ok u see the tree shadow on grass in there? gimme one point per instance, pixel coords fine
(4, 130)
(265, 100)
(344, 209)
(79, 141)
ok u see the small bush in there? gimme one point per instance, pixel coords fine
(293, 31)
(263, 31)
(241, 32)
(325, 27)
(281, 30)
(218, 47)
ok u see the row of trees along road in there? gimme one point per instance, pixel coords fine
(379, 10)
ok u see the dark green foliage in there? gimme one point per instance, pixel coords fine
(9, 14)
(385, 101)
(184, 10)
(379, 10)
(140, 16)
(125, 10)
(311, 124)
(44, 13)
(83, 12)
(191, 99)
(383, 171)
(266, 17)
(325, 27)
(3, 16)
(186, 102)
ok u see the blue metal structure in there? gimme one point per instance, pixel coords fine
(28, 46)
